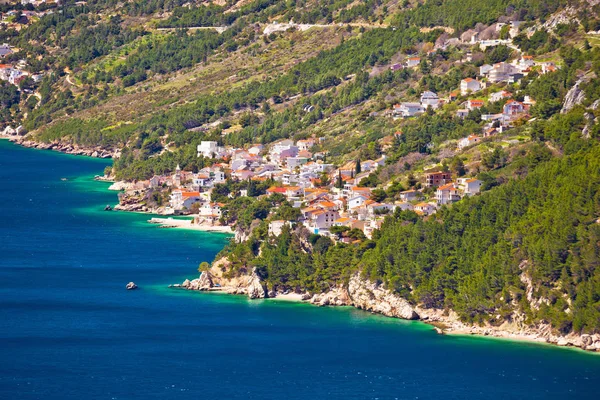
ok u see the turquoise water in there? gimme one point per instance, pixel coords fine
(69, 330)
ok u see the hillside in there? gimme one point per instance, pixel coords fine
(444, 150)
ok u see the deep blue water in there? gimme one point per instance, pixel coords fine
(69, 330)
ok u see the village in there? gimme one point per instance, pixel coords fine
(326, 196)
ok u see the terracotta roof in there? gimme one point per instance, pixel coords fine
(447, 186)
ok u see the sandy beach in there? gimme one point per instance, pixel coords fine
(288, 297)
(189, 224)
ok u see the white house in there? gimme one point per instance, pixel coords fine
(469, 186)
(293, 162)
(276, 227)
(181, 199)
(468, 141)
(409, 195)
(305, 145)
(425, 208)
(209, 149)
(413, 62)
(485, 69)
(462, 113)
(447, 194)
(211, 210)
(323, 219)
(357, 201)
(469, 85)
(430, 99)
(407, 110)
(502, 72)
(499, 96)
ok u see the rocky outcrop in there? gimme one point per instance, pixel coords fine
(255, 288)
(214, 280)
(574, 96)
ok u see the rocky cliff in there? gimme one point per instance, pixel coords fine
(370, 296)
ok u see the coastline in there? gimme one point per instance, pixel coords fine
(362, 294)
(66, 148)
(434, 326)
(448, 324)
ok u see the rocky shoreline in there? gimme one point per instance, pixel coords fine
(369, 296)
(67, 148)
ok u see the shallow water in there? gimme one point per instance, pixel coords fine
(70, 330)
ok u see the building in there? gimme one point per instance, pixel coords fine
(211, 211)
(413, 62)
(357, 201)
(462, 113)
(513, 108)
(485, 69)
(5, 50)
(276, 227)
(502, 72)
(183, 200)
(305, 145)
(469, 85)
(407, 110)
(437, 178)
(469, 186)
(499, 96)
(295, 162)
(322, 219)
(468, 141)
(424, 208)
(474, 104)
(409, 195)
(447, 194)
(430, 99)
(209, 149)
(525, 63)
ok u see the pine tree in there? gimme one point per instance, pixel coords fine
(357, 168)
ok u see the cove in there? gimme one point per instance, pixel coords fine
(69, 329)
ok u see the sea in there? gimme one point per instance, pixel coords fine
(70, 330)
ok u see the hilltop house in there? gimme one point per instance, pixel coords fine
(499, 96)
(474, 104)
(502, 72)
(407, 110)
(513, 108)
(424, 208)
(276, 227)
(413, 62)
(209, 149)
(430, 99)
(447, 194)
(305, 145)
(469, 85)
(469, 186)
(468, 141)
(409, 195)
(437, 178)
